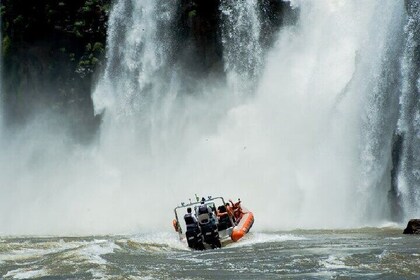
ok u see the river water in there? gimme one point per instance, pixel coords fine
(368, 253)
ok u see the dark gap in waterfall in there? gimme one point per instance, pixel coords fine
(393, 194)
(199, 48)
(275, 14)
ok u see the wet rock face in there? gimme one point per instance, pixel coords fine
(275, 14)
(198, 25)
(51, 51)
(413, 227)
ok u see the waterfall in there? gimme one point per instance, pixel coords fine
(380, 85)
(409, 115)
(139, 45)
(1, 71)
(325, 165)
(243, 53)
(315, 136)
(140, 88)
(302, 130)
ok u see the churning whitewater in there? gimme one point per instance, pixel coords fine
(304, 128)
(369, 254)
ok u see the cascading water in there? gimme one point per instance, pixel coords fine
(380, 85)
(310, 147)
(1, 73)
(409, 115)
(139, 45)
(243, 53)
(284, 144)
(312, 157)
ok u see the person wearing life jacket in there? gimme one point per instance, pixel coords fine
(205, 213)
(237, 210)
(190, 220)
(223, 217)
(229, 210)
(238, 214)
(209, 224)
(221, 211)
(193, 233)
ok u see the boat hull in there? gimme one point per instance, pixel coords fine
(243, 227)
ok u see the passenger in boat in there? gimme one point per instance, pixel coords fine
(221, 211)
(229, 209)
(176, 226)
(230, 212)
(206, 214)
(237, 210)
(236, 204)
(238, 214)
(203, 206)
(190, 220)
(223, 216)
(208, 223)
(193, 233)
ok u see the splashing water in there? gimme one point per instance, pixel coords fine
(309, 148)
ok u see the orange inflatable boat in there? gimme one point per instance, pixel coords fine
(212, 223)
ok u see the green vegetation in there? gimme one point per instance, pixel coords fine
(52, 51)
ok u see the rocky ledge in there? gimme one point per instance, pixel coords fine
(413, 227)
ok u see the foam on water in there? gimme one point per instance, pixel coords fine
(161, 241)
(307, 254)
(333, 262)
(29, 251)
(254, 238)
(23, 273)
(93, 251)
(165, 241)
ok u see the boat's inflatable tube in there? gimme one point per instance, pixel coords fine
(243, 227)
(175, 225)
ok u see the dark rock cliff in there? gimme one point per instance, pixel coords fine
(50, 52)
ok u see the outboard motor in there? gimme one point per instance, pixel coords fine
(208, 226)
